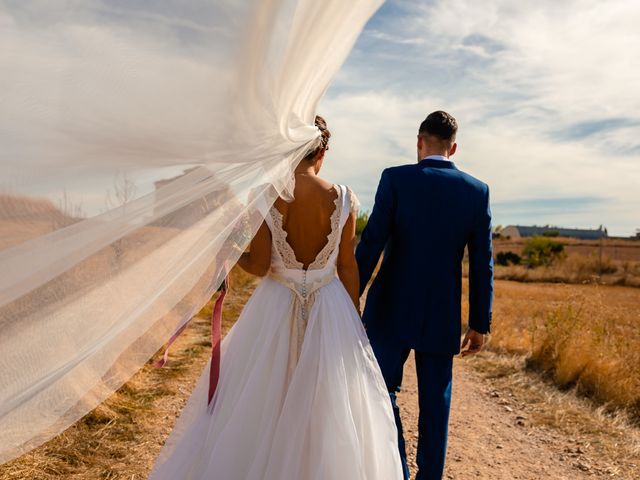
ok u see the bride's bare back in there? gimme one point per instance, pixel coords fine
(307, 220)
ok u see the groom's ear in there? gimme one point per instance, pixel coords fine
(453, 149)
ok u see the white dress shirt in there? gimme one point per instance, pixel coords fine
(436, 157)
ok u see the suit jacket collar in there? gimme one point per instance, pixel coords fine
(428, 162)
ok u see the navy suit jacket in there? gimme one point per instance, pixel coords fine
(424, 216)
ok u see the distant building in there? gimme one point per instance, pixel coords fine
(519, 231)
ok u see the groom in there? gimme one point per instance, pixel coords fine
(424, 216)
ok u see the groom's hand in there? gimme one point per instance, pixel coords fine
(475, 341)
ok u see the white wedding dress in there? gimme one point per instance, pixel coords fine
(300, 395)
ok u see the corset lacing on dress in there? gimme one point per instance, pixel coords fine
(304, 283)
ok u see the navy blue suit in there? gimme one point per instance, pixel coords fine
(424, 216)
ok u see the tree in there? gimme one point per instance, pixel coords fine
(70, 212)
(542, 251)
(124, 190)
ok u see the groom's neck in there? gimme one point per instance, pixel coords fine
(434, 151)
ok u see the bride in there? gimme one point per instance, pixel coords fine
(300, 394)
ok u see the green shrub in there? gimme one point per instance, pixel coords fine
(508, 258)
(542, 251)
(361, 222)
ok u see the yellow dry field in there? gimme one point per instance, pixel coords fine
(584, 336)
(615, 249)
(610, 262)
(121, 438)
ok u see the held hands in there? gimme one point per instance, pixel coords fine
(475, 341)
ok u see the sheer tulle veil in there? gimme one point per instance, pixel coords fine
(140, 142)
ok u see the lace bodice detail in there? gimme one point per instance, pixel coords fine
(287, 254)
(354, 203)
(279, 237)
(306, 283)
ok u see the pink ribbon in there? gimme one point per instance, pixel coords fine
(216, 337)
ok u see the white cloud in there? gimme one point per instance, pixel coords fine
(545, 93)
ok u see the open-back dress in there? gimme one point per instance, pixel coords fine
(300, 395)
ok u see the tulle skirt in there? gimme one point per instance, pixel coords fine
(328, 418)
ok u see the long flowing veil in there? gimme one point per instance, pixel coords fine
(138, 141)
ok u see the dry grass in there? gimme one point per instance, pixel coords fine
(616, 249)
(121, 438)
(607, 262)
(589, 431)
(585, 337)
(577, 268)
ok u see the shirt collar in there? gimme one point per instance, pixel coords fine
(437, 157)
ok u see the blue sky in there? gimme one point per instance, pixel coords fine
(546, 95)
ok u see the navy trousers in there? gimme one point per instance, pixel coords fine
(434, 392)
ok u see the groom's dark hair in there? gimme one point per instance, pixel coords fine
(440, 125)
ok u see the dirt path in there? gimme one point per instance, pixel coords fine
(491, 435)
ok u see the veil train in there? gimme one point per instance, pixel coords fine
(132, 135)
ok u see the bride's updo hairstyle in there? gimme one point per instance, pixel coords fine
(324, 140)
